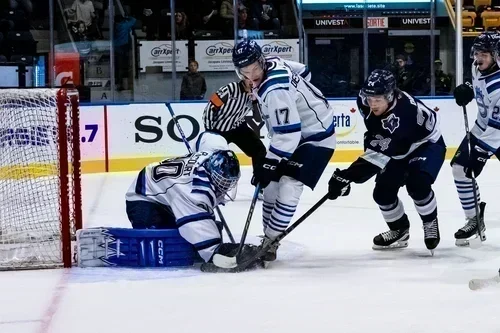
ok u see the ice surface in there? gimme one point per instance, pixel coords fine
(327, 278)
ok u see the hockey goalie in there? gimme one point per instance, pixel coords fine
(170, 205)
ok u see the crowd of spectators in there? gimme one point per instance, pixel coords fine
(414, 77)
(16, 41)
(193, 17)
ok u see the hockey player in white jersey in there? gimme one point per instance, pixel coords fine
(300, 123)
(485, 135)
(182, 192)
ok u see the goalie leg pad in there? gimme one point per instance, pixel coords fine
(122, 247)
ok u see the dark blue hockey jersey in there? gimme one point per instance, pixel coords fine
(407, 125)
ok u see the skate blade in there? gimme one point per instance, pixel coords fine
(476, 242)
(396, 245)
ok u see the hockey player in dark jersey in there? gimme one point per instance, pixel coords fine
(485, 135)
(403, 147)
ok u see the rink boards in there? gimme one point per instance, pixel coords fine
(127, 137)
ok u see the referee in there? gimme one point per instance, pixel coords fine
(225, 115)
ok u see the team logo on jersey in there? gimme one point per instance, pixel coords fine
(390, 123)
(480, 102)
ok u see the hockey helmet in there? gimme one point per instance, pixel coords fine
(223, 169)
(485, 42)
(380, 82)
(246, 53)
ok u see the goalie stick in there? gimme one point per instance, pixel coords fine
(475, 242)
(234, 267)
(229, 262)
(476, 284)
(184, 139)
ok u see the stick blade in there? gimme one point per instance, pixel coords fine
(224, 261)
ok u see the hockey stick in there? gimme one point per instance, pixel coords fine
(476, 242)
(476, 284)
(184, 139)
(230, 262)
(240, 267)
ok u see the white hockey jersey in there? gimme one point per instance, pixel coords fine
(181, 184)
(294, 110)
(487, 126)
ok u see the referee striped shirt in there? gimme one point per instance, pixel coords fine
(227, 107)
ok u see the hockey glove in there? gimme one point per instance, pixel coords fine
(338, 185)
(464, 94)
(289, 168)
(475, 163)
(265, 173)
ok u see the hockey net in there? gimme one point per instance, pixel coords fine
(40, 187)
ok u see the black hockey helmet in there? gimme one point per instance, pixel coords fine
(380, 82)
(485, 42)
(246, 53)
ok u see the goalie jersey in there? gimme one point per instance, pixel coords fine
(294, 110)
(407, 125)
(487, 93)
(183, 187)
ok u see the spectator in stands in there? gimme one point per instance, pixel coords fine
(193, 83)
(227, 16)
(182, 28)
(151, 18)
(404, 75)
(443, 81)
(99, 8)
(81, 38)
(408, 53)
(206, 18)
(243, 21)
(121, 43)
(24, 5)
(83, 10)
(265, 15)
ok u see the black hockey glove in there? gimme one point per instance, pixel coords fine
(289, 168)
(463, 94)
(475, 163)
(266, 173)
(338, 185)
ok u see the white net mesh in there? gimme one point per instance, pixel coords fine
(30, 186)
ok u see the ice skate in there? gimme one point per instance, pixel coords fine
(271, 253)
(431, 235)
(392, 239)
(469, 230)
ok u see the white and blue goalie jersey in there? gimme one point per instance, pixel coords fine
(487, 93)
(294, 110)
(182, 185)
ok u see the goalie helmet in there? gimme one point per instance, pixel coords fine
(485, 42)
(223, 169)
(246, 53)
(380, 83)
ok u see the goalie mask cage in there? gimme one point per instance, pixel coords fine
(40, 185)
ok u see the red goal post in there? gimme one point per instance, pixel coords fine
(40, 177)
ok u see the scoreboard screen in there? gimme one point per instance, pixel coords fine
(360, 4)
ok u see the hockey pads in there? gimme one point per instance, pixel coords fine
(464, 94)
(338, 185)
(266, 173)
(477, 160)
(123, 247)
